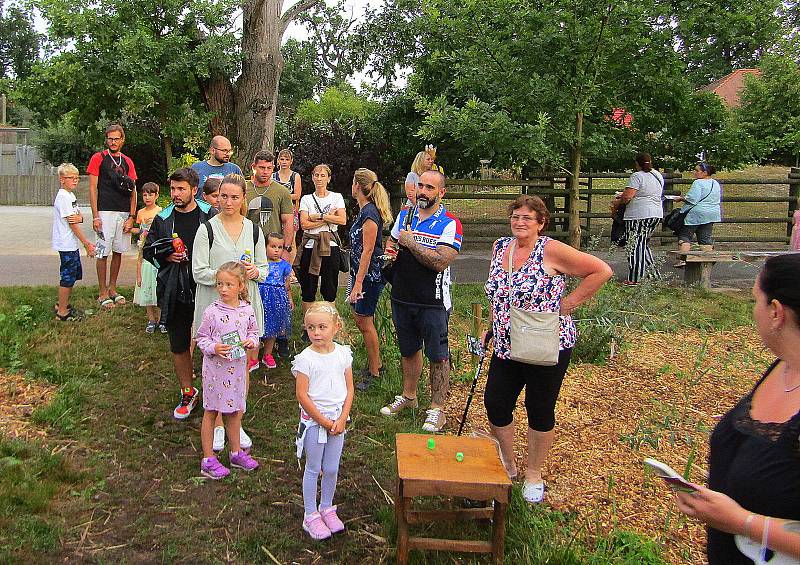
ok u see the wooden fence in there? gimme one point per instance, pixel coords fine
(37, 190)
(491, 223)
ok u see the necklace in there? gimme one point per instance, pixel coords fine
(260, 193)
(786, 387)
(113, 161)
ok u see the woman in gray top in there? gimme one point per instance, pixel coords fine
(643, 211)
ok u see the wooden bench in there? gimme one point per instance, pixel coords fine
(699, 263)
(436, 472)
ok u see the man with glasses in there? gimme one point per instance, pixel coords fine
(427, 239)
(112, 197)
(218, 164)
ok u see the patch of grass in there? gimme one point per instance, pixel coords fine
(29, 477)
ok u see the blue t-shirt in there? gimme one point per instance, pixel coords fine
(368, 212)
(205, 170)
(277, 273)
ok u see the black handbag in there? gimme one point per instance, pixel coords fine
(344, 254)
(676, 219)
(618, 236)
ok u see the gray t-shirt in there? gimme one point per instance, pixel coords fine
(205, 169)
(647, 201)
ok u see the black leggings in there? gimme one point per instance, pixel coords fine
(328, 276)
(506, 380)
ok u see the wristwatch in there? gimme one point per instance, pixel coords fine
(287, 248)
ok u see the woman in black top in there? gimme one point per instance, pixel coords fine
(752, 505)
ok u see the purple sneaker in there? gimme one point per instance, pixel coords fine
(316, 527)
(213, 469)
(331, 520)
(243, 461)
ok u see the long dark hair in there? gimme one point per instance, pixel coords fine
(645, 162)
(778, 280)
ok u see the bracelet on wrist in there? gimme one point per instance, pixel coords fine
(747, 523)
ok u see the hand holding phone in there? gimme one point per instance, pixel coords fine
(670, 476)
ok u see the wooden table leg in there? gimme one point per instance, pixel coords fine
(401, 505)
(498, 532)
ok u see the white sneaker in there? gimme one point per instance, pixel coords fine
(244, 440)
(434, 420)
(219, 438)
(533, 492)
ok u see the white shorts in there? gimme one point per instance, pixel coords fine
(115, 239)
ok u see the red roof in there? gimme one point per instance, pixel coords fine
(729, 86)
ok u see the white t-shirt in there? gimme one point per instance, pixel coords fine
(327, 385)
(330, 203)
(646, 203)
(65, 204)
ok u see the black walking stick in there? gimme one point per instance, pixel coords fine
(476, 347)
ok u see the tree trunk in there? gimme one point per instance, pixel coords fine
(257, 87)
(218, 98)
(573, 197)
(167, 153)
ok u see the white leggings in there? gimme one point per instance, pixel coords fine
(321, 457)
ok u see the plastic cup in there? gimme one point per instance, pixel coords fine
(431, 443)
(459, 457)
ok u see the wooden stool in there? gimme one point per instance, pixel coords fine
(436, 472)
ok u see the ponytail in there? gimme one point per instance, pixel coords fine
(375, 192)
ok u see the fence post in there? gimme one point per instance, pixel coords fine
(794, 193)
(588, 204)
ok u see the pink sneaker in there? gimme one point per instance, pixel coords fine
(316, 527)
(332, 520)
(243, 461)
(213, 469)
(269, 361)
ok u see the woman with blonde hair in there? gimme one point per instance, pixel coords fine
(422, 162)
(366, 282)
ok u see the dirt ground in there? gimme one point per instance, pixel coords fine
(659, 398)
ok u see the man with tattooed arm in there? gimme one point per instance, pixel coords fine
(426, 239)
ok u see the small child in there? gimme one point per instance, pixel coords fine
(324, 389)
(145, 292)
(67, 239)
(276, 295)
(211, 191)
(228, 328)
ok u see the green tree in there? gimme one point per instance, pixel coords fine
(19, 42)
(300, 78)
(770, 110)
(716, 37)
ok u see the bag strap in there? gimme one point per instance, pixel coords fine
(710, 190)
(332, 232)
(210, 234)
(511, 248)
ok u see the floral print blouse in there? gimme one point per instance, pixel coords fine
(533, 290)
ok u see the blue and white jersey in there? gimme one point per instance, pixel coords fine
(415, 283)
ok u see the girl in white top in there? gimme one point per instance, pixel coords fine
(324, 389)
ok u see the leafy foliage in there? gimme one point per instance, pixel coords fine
(19, 42)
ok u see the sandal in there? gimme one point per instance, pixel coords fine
(70, 316)
(107, 303)
(118, 299)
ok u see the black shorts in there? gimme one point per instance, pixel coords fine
(180, 327)
(506, 380)
(419, 325)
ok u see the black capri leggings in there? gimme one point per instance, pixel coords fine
(328, 278)
(506, 380)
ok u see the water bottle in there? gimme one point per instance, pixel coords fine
(178, 245)
(247, 256)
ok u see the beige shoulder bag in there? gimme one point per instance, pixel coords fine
(534, 335)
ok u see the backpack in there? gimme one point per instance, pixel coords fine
(256, 232)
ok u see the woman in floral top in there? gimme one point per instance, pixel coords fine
(540, 266)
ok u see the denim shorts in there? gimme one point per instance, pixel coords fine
(71, 268)
(420, 325)
(367, 305)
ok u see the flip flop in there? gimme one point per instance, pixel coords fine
(118, 299)
(107, 303)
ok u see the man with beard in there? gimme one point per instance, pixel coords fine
(272, 210)
(112, 197)
(218, 164)
(176, 287)
(427, 239)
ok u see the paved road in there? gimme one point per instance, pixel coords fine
(27, 259)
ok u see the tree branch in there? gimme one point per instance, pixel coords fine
(294, 11)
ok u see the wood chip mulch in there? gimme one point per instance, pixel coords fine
(19, 397)
(660, 398)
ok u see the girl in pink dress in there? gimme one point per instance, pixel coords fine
(228, 328)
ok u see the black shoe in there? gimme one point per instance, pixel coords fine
(282, 347)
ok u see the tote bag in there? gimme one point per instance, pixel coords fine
(533, 335)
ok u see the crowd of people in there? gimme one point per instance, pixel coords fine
(215, 272)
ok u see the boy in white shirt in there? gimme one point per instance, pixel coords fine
(67, 237)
